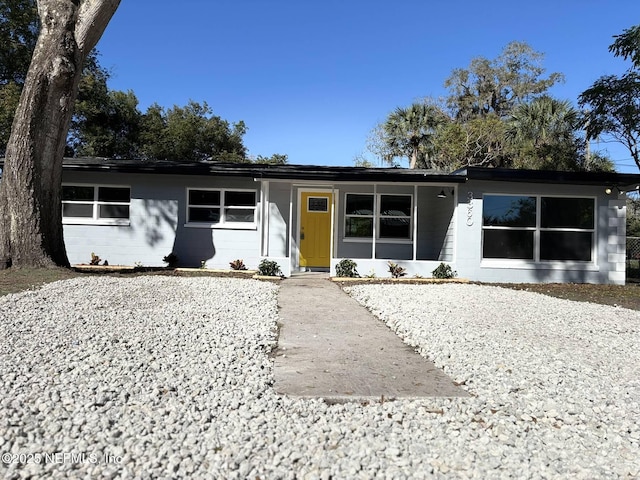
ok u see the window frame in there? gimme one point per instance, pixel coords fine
(538, 230)
(376, 216)
(223, 223)
(95, 203)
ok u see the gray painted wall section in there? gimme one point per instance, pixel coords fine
(157, 225)
(608, 266)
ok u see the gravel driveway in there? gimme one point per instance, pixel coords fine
(168, 377)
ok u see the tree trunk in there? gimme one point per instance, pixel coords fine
(30, 191)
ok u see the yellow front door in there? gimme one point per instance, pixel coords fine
(315, 229)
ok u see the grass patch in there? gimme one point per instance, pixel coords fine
(19, 279)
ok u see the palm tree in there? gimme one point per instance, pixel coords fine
(409, 132)
(544, 134)
(543, 121)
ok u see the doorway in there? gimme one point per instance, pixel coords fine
(315, 229)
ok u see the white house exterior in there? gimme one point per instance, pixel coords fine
(490, 225)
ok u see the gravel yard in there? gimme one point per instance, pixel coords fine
(168, 377)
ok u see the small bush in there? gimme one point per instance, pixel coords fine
(171, 260)
(95, 259)
(396, 270)
(238, 265)
(347, 268)
(269, 268)
(444, 271)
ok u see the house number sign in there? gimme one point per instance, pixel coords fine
(470, 209)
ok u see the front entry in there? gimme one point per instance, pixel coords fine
(315, 229)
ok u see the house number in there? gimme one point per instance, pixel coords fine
(470, 209)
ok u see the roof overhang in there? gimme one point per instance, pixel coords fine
(263, 171)
(551, 176)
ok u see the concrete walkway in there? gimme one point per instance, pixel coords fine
(332, 347)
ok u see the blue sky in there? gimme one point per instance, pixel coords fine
(311, 79)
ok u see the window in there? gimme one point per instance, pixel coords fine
(509, 226)
(538, 228)
(96, 204)
(393, 217)
(231, 208)
(359, 216)
(318, 204)
(566, 228)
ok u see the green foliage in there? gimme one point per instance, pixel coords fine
(409, 133)
(613, 102)
(106, 123)
(237, 265)
(498, 116)
(627, 45)
(269, 268)
(275, 159)
(347, 268)
(478, 142)
(192, 134)
(633, 217)
(497, 86)
(396, 270)
(444, 271)
(18, 35)
(171, 260)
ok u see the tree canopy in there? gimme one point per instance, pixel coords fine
(613, 102)
(108, 123)
(498, 114)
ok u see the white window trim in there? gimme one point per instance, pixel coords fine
(95, 219)
(376, 216)
(223, 225)
(536, 262)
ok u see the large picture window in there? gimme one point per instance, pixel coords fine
(96, 204)
(538, 228)
(391, 214)
(233, 208)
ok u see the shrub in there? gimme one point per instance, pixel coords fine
(347, 268)
(269, 268)
(444, 271)
(95, 259)
(171, 260)
(237, 265)
(396, 270)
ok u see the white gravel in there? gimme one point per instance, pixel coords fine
(169, 377)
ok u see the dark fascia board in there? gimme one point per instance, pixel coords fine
(261, 171)
(551, 176)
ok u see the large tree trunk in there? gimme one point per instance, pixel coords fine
(30, 203)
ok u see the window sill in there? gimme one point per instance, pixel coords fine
(103, 222)
(531, 265)
(226, 226)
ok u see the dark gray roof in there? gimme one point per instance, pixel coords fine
(293, 172)
(550, 176)
(360, 174)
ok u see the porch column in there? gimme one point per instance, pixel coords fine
(290, 227)
(264, 217)
(415, 222)
(375, 222)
